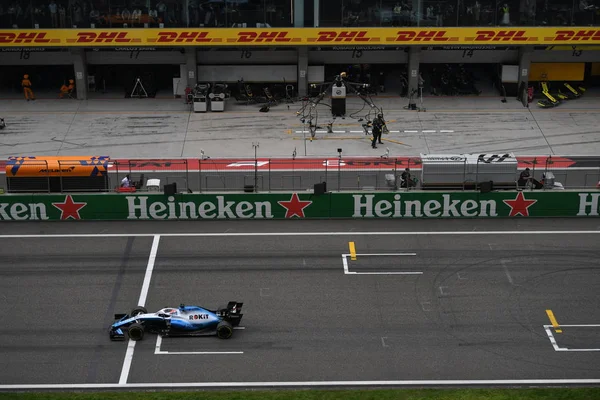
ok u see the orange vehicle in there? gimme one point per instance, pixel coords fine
(57, 173)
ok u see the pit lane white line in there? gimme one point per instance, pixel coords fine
(489, 382)
(348, 233)
(348, 272)
(548, 329)
(141, 302)
(158, 351)
(387, 254)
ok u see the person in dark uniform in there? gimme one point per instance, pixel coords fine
(526, 177)
(378, 124)
(406, 179)
(382, 123)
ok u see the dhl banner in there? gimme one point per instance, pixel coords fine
(297, 37)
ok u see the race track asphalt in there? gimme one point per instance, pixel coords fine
(476, 310)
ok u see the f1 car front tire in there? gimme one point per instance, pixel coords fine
(224, 330)
(138, 310)
(136, 332)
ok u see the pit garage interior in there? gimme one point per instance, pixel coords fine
(390, 71)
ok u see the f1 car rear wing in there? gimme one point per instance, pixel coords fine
(234, 312)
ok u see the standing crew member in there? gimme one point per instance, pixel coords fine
(377, 128)
(382, 129)
(26, 83)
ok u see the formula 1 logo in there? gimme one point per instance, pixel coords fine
(492, 158)
(248, 164)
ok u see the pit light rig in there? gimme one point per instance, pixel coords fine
(309, 113)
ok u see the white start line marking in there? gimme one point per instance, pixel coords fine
(158, 351)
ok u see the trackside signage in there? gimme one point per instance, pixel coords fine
(174, 37)
(134, 207)
(140, 207)
(369, 206)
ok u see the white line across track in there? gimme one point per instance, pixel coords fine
(187, 385)
(348, 272)
(549, 328)
(347, 233)
(158, 350)
(141, 303)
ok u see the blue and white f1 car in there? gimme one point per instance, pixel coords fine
(181, 321)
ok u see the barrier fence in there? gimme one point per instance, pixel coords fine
(272, 175)
(168, 171)
(282, 205)
(265, 175)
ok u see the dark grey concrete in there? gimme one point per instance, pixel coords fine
(477, 312)
(345, 225)
(306, 320)
(58, 297)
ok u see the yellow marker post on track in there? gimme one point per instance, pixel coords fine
(553, 321)
(352, 251)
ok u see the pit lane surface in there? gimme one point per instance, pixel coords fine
(477, 311)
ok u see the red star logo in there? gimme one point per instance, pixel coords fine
(295, 206)
(519, 205)
(69, 209)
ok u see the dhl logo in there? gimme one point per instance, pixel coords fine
(421, 36)
(183, 37)
(264, 37)
(103, 37)
(580, 35)
(341, 36)
(501, 36)
(29, 37)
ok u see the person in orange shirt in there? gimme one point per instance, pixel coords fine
(26, 83)
(66, 90)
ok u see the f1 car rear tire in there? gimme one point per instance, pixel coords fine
(138, 310)
(224, 330)
(136, 332)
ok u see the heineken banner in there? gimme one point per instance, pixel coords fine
(300, 205)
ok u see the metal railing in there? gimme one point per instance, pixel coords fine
(339, 173)
(168, 171)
